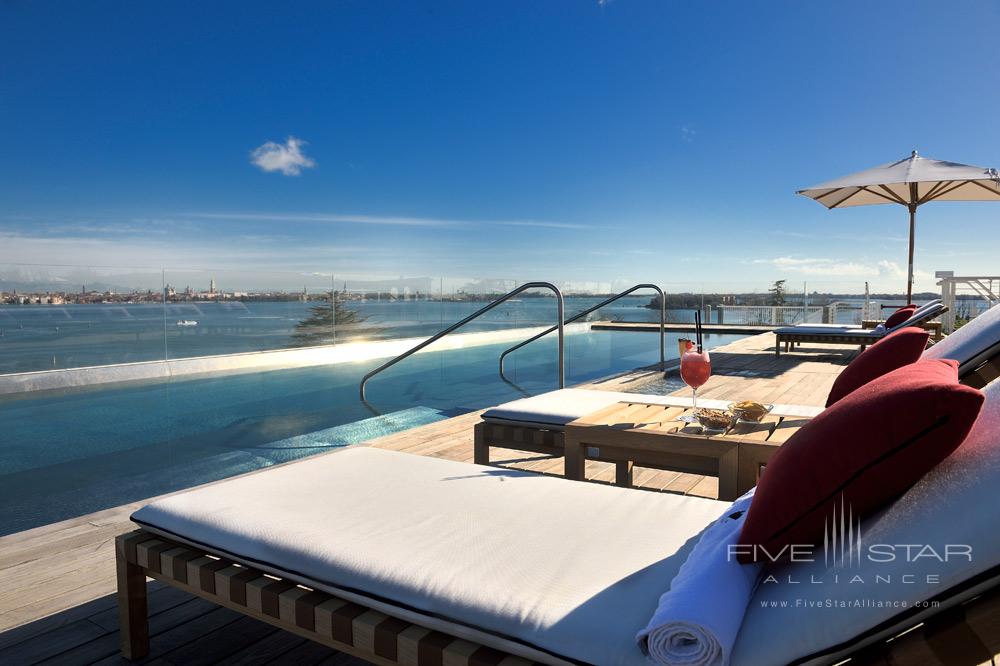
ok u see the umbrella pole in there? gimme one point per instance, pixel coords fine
(909, 271)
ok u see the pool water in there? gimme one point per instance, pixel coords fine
(72, 452)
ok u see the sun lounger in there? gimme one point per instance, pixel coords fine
(536, 424)
(792, 335)
(408, 555)
(400, 559)
(953, 504)
(976, 346)
(920, 310)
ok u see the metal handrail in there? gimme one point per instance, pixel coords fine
(477, 313)
(580, 315)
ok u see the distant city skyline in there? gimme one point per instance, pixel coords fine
(610, 142)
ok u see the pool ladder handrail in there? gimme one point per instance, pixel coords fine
(511, 294)
(584, 313)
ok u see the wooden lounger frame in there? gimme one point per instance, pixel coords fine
(534, 439)
(965, 634)
(791, 339)
(984, 373)
(342, 625)
(932, 327)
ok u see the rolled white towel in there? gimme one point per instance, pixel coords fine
(698, 618)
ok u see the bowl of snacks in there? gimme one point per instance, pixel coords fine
(750, 411)
(714, 420)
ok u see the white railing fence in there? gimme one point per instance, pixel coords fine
(966, 297)
(847, 313)
(770, 315)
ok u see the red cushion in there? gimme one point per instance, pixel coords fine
(900, 315)
(895, 350)
(863, 451)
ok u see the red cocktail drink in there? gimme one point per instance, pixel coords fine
(696, 368)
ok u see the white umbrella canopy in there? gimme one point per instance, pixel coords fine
(910, 182)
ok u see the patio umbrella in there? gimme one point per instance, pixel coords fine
(910, 182)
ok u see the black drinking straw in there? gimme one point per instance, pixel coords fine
(697, 328)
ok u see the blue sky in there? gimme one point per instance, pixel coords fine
(625, 140)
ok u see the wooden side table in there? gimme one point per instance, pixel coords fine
(934, 327)
(757, 449)
(649, 435)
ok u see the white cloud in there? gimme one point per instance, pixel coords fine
(398, 220)
(325, 217)
(841, 268)
(286, 158)
(536, 223)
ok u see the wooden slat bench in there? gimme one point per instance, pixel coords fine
(342, 625)
(968, 633)
(794, 335)
(520, 438)
(792, 338)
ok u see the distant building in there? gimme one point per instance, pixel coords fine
(211, 287)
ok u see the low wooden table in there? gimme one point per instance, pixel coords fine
(933, 327)
(648, 435)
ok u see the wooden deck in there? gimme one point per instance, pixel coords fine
(57, 604)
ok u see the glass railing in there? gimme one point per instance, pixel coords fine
(263, 367)
(58, 317)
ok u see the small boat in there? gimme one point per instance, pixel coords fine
(187, 322)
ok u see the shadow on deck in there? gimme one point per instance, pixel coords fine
(184, 630)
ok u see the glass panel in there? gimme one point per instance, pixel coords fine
(57, 317)
(211, 313)
(313, 336)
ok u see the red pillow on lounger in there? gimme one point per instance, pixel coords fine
(863, 451)
(900, 315)
(895, 350)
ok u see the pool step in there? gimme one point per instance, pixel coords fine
(361, 431)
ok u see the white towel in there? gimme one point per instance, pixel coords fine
(698, 618)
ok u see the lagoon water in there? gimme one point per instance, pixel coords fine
(45, 337)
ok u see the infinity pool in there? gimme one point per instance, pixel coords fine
(68, 453)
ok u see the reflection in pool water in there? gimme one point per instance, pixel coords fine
(72, 452)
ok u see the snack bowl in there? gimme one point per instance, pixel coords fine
(750, 411)
(714, 420)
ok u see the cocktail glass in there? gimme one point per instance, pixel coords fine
(696, 368)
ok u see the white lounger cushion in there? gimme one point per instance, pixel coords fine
(573, 569)
(557, 408)
(831, 330)
(955, 503)
(553, 410)
(972, 344)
